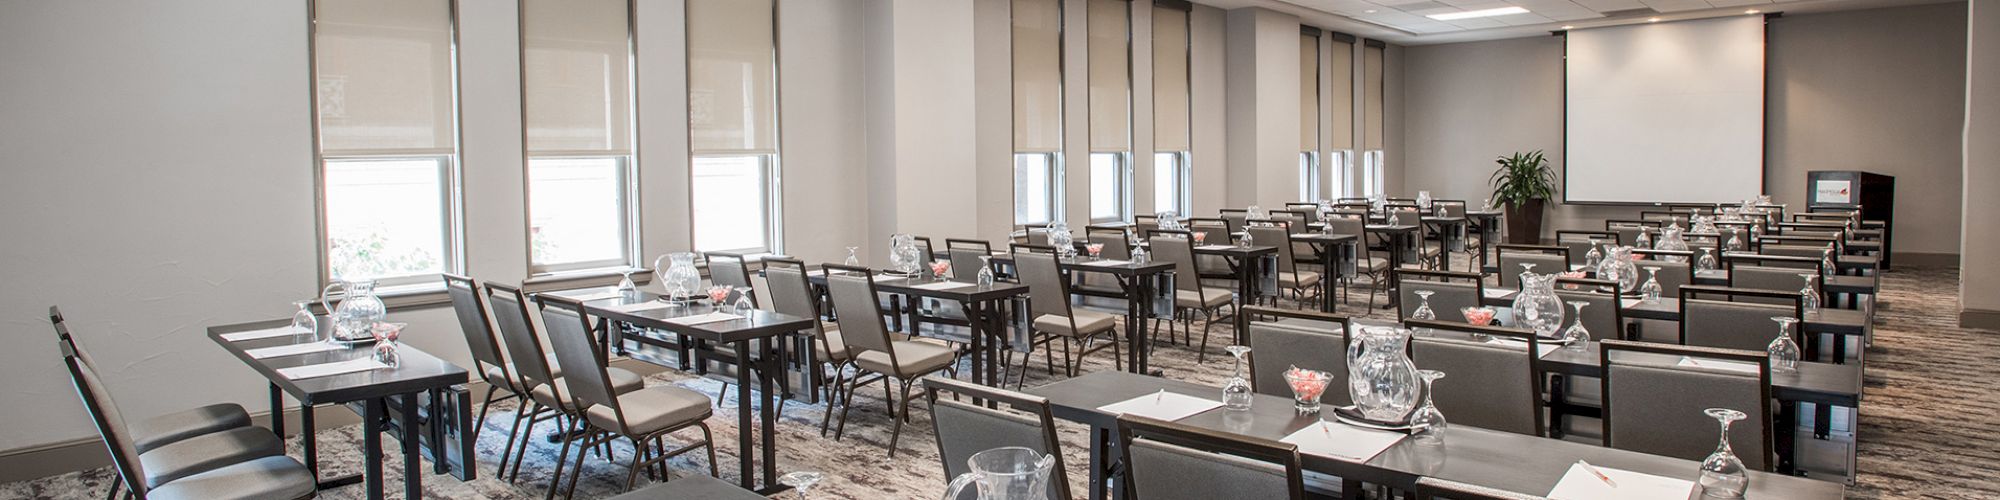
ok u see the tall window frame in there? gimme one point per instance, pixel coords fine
(1037, 65)
(363, 151)
(1310, 174)
(1340, 153)
(736, 160)
(1374, 132)
(1172, 106)
(579, 116)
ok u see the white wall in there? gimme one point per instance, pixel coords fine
(1979, 278)
(1207, 113)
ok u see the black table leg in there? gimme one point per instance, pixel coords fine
(278, 411)
(745, 441)
(1097, 462)
(768, 412)
(413, 465)
(1246, 274)
(307, 438)
(1787, 425)
(371, 447)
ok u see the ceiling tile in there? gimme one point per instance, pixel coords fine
(1610, 5)
(1738, 3)
(1677, 5)
(1523, 20)
(1477, 23)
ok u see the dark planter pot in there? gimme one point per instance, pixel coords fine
(1524, 223)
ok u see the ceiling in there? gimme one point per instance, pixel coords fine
(1404, 21)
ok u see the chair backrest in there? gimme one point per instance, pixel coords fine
(1672, 275)
(1449, 291)
(1276, 347)
(1726, 317)
(517, 328)
(853, 293)
(1431, 488)
(1048, 292)
(1603, 316)
(1346, 225)
(924, 244)
(791, 291)
(1448, 208)
(1170, 461)
(1309, 211)
(1492, 382)
(1547, 260)
(109, 421)
(1665, 217)
(1580, 243)
(1116, 246)
(1277, 236)
(583, 375)
(476, 324)
(69, 341)
(729, 271)
(1294, 222)
(1406, 214)
(1768, 278)
(1235, 218)
(965, 258)
(1038, 236)
(967, 429)
(1655, 396)
(1177, 247)
(1777, 247)
(1216, 230)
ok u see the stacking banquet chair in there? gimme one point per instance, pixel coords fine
(1449, 291)
(1655, 397)
(178, 445)
(539, 376)
(1628, 231)
(1170, 461)
(1676, 268)
(903, 361)
(1306, 339)
(1602, 315)
(1430, 488)
(1213, 232)
(966, 429)
(1771, 276)
(965, 258)
(1236, 217)
(1300, 283)
(792, 294)
(182, 470)
(731, 271)
(1410, 215)
(1734, 318)
(644, 416)
(1190, 295)
(1365, 264)
(1580, 243)
(1491, 384)
(1544, 259)
(1054, 318)
(487, 360)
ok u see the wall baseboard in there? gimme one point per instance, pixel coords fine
(1979, 318)
(1921, 259)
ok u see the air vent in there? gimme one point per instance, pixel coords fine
(1423, 6)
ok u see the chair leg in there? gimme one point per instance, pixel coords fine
(562, 456)
(889, 394)
(640, 453)
(896, 432)
(117, 484)
(577, 468)
(1117, 354)
(832, 396)
(708, 441)
(481, 422)
(507, 452)
(846, 403)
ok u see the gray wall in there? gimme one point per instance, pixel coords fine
(1868, 90)
(1979, 278)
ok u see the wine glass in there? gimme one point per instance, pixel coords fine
(743, 304)
(387, 337)
(1722, 474)
(1809, 293)
(1706, 262)
(801, 481)
(625, 284)
(1427, 421)
(305, 326)
(1826, 266)
(853, 259)
(1651, 290)
(1236, 393)
(985, 272)
(1245, 242)
(1784, 351)
(1592, 258)
(1424, 311)
(1576, 336)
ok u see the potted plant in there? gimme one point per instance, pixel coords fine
(1524, 183)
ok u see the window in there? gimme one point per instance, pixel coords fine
(1109, 199)
(1309, 113)
(1340, 163)
(385, 105)
(1340, 121)
(1373, 133)
(1038, 109)
(576, 104)
(1037, 195)
(1371, 174)
(1309, 176)
(733, 126)
(1170, 182)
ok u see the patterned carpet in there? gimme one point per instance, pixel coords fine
(1925, 430)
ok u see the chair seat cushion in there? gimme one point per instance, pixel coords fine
(622, 381)
(1299, 279)
(1088, 322)
(495, 373)
(653, 410)
(917, 358)
(1189, 299)
(164, 429)
(208, 452)
(839, 352)
(275, 477)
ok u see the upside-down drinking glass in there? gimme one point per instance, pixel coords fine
(1722, 474)
(985, 279)
(1236, 393)
(743, 304)
(305, 326)
(1427, 421)
(1704, 263)
(1424, 311)
(1810, 293)
(801, 481)
(1651, 290)
(1576, 336)
(1783, 350)
(853, 259)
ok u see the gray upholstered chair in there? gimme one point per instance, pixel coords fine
(792, 294)
(1116, 244)
(477, 325)
(966, 429)
(1190, 295)
(1300, 283)
(1492, 382)
(1546, 260)
(1169, 461)
(1213, 232)
(902, 361)
(1628, 231)
(186, 456)
(1604, 315)
(1236, 217)
(1365, 263)
(1449, 291)
(643, 416)
(160, 430)
(1305, 339)
(731, 271)
(1580, 243)
(260, 476)
(1673, 274)
(536, 372)
(965, 256)
(1430, 488)
(1772, 279)
(1655, 396)
(1729, 318)
(1053, 318)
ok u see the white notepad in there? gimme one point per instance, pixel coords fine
(1711, 364)
(939, 285)
(1630, 303)
(640, 306)
(1541, 349)
(266, 333)
(1498, 292)
(1163, 405)
(593, 296)
(293, 349)
(1107, 263)
(1214, 247)
(329, 369)
(1580, 484)
(1342, 441)
(703, 318)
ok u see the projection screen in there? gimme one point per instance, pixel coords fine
(1665, 112)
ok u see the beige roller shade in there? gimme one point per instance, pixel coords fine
(732, 77)
(1308, 93)
(1170, 79)
(1371, 70)
(385, 75)
(576, 81)
(1110, 75)
(1341, 61)
(1037, 76)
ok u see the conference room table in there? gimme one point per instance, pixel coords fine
(421, 400)
(755, 331)
(1336, 253)
(986, 312)
(1839, 323)
(1517, 463)
(1146, 287)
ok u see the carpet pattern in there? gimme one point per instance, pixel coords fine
(1925, 429)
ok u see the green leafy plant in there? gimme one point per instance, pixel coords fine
(1523, 177)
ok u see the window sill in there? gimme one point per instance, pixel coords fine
(584, 278)
(402, 297)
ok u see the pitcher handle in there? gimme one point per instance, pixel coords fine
(958, 485)
(325, 294)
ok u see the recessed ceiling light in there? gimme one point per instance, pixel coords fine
(1568, 27)
(1653, 20)
(1369, 11)
(1502, 11)
(1752, 11)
